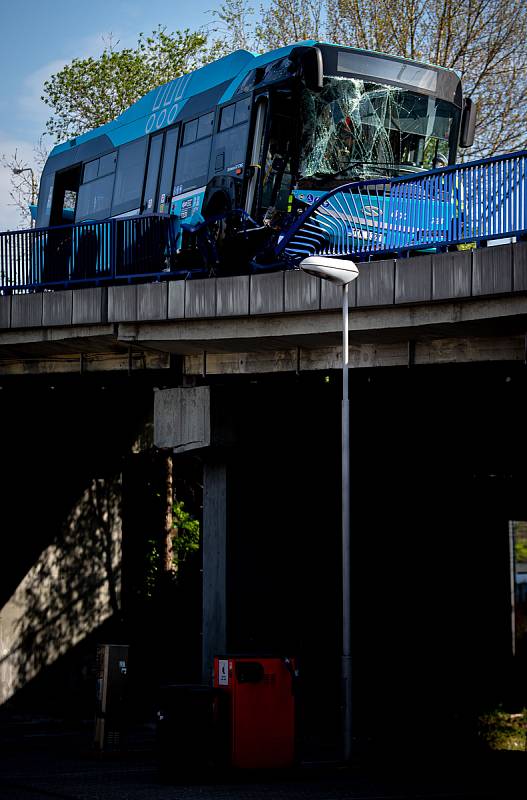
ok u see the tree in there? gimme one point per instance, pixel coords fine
(24, 180)
(89, 92)
(484, 40)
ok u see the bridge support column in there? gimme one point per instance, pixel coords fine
(199, 419)
(214, 543)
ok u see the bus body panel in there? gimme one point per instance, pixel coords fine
(200, 130)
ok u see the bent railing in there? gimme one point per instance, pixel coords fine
(473, 202)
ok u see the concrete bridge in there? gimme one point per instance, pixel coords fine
(437, 465)
(462, 306)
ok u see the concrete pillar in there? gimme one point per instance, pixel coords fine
(214, 543)
(200, 419)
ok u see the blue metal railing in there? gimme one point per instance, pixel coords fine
(473, 202)
(89, 252)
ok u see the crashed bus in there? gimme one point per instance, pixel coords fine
(235, 151)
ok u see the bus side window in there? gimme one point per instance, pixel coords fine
(152, 173)
(167, 170)
(95, 192)
(129, 176)
(194, 154)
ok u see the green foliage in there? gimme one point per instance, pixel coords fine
(89, 92)
(186, 537)
(153, 561)
(185, 540)
(500, 730)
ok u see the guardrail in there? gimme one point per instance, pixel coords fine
(89, 252)
(474, 202)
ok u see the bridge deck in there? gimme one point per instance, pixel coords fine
(469, 305)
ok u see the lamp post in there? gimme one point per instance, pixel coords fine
(342, 272)
(19, 171)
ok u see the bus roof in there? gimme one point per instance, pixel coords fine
(214, 83)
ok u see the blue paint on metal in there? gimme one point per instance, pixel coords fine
(164, 105)
(465, 203)
(88, 252)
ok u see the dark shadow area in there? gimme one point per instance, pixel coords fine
(437, 473)
(63, 454)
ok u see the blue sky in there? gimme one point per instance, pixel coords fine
(40, 36)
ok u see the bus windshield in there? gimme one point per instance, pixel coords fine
(354, 129)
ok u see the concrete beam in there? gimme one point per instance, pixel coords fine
(232, 296)
(452, 275)
(26, 310)
(200, 298)
(383, 354)
(492, 270)
(267, 293)
(519, 253)
(182, 418)
(413, 280)
(376, 283)
(5, 311)
(122, 303)
(57, 308)
(92, 362)
(294, 329)
(152, 301)
(90, 306)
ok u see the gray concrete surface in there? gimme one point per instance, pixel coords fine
(47, 760)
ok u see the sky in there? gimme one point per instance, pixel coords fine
(40, 36)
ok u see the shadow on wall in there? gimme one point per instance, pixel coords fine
(71, 589)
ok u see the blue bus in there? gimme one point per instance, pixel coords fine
(240, 147)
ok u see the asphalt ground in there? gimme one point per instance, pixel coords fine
(45, 760)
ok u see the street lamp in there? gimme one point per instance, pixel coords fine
(19, 171)
(342, 272)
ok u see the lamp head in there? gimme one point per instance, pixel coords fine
(336, 270)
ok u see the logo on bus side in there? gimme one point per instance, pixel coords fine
(166, 103)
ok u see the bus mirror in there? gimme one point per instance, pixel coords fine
(468, 123)
(312, 68)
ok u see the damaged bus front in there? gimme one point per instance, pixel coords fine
(378, 117)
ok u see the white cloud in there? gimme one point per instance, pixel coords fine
(29, 102)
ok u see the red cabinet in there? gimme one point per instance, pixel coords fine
(260, 706)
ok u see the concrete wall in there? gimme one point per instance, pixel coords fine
(69, 591)
(422, 279)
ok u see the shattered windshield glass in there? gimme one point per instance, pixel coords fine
(355, 130)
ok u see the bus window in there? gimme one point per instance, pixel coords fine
(234, 143)
(107, 164)
(205, 125)
(243, 110)
(190, 131)
(95, 198)
(227, 117)
(90, 171)
(276, 168)
(129, 176)
(194, 155)
(45, 196)
(154, 159)
(167, 170)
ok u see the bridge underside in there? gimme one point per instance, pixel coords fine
(438, 474)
